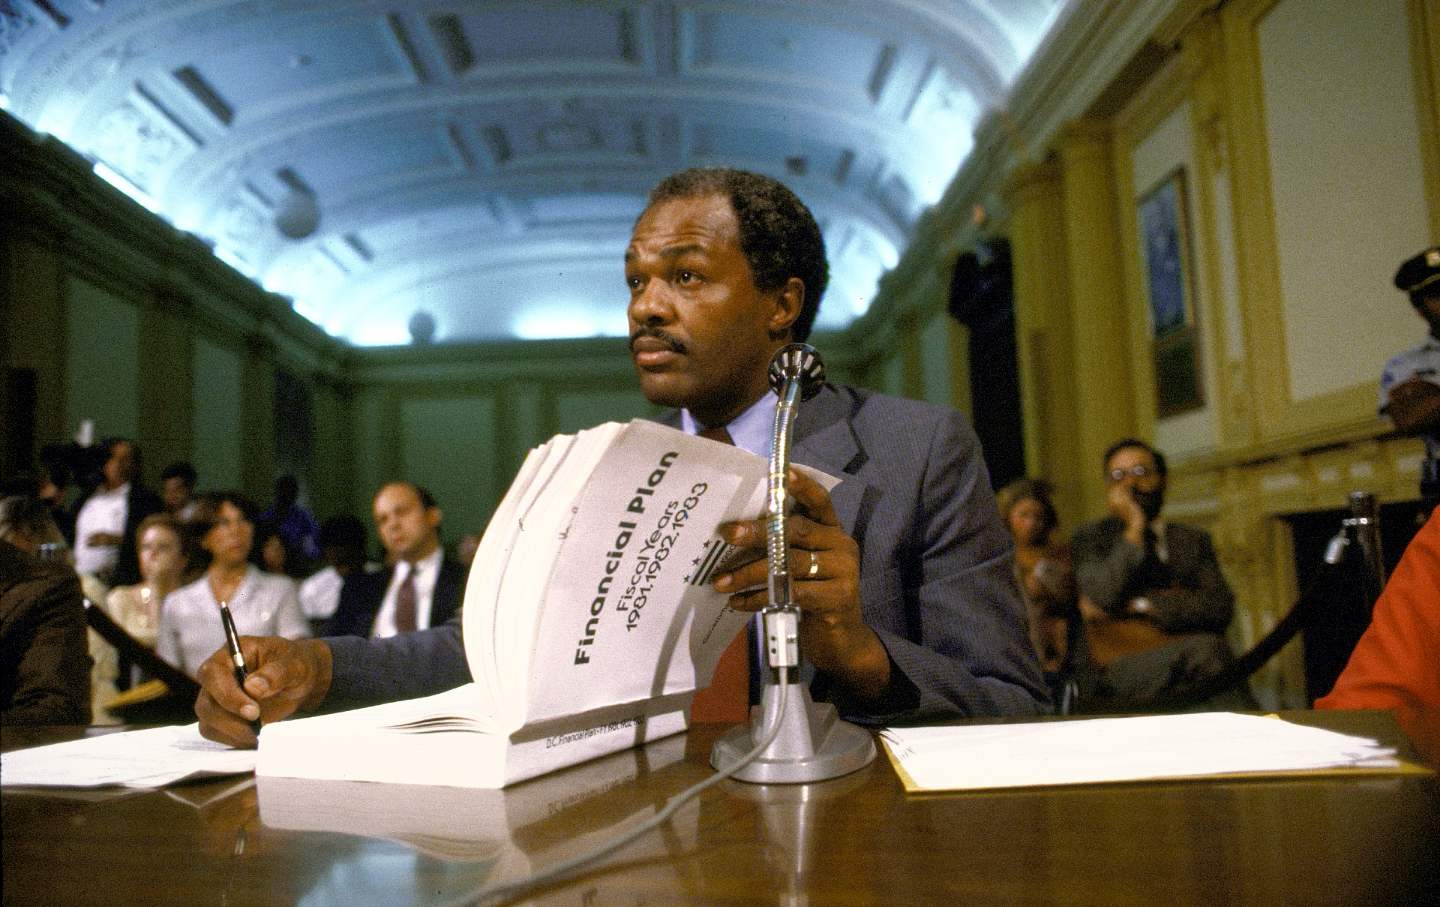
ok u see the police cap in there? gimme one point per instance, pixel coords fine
(1420, 273)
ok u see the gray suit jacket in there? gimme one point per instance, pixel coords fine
(936, 581)
(1107, 571)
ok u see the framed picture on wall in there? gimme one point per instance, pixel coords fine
(1164, 224)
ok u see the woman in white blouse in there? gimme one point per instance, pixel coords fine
(262, 604)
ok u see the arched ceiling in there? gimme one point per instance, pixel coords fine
(482, 162)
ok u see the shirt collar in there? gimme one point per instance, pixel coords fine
(426, 565)
(751, 430)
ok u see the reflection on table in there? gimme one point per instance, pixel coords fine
(854, 840)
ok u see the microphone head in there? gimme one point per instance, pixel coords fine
(800, 361)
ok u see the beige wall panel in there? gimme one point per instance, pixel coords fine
(102, 334)
(1347, 181)
(1167, 147)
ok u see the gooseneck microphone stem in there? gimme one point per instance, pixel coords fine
(776, 535)
(790, 738)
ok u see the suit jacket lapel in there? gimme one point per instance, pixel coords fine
(823, 439)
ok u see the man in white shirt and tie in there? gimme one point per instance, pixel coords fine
(420, 589)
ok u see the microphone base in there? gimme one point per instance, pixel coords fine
(813, 743)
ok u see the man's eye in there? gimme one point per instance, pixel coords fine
(684, 277)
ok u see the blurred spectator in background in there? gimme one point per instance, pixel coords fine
(342, 546)
(465, 549)
(272, 554)
(297, 528)
(1045, 574)
(108, 516)
(262, 604)
(177, 490)
(419, 589)
(44, 667)
(136, 609)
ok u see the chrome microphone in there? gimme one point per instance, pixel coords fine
(796, 373)
(791, 739)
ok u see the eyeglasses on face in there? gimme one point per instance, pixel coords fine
(1139, 471)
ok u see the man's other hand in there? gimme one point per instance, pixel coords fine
(284, 675)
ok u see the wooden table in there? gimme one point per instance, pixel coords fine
(854, 840)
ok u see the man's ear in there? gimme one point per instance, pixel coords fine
(789, 300)
(433, 516)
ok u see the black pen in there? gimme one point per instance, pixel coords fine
(232, 641)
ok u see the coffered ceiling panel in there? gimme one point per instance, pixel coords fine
(480, 163)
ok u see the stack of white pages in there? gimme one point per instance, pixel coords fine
(139, 759)
(589, 619)
(1099, 750)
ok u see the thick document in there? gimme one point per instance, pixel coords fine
(589, 619)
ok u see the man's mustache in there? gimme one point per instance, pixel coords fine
(669, 340)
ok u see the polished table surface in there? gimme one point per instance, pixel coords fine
(854, 840)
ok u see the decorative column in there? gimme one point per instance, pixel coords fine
(1044, 335)
(1103, 383)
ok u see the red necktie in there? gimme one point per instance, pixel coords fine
(405, 601)
(727, 699)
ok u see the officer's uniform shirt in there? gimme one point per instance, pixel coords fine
(1421, 362)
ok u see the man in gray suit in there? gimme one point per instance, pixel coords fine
(911, 611)
(1153, 587)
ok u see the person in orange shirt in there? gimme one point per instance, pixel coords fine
(1396, 664)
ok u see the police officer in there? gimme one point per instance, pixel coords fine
(1410, 385)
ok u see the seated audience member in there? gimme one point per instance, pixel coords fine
(419, 588)
(297, 528)
(177, 490)
(1043, 571)
(108, 516)
(1396, 664)
(261, 603)
(44, 665)
(136, 609)
(1154, 602)
(467, 546)
(271, 554)
(25, 522)
(342, 547)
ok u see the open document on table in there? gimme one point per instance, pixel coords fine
(1101, 750)
(149, 758)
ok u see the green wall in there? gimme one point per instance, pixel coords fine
(217, 416)
(102, 338)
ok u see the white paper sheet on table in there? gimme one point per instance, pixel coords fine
(148, 758)
(1098, 750)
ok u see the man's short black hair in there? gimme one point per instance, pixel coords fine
(427, 500)
(1135, 442)
(181, 470)
(778, 234)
